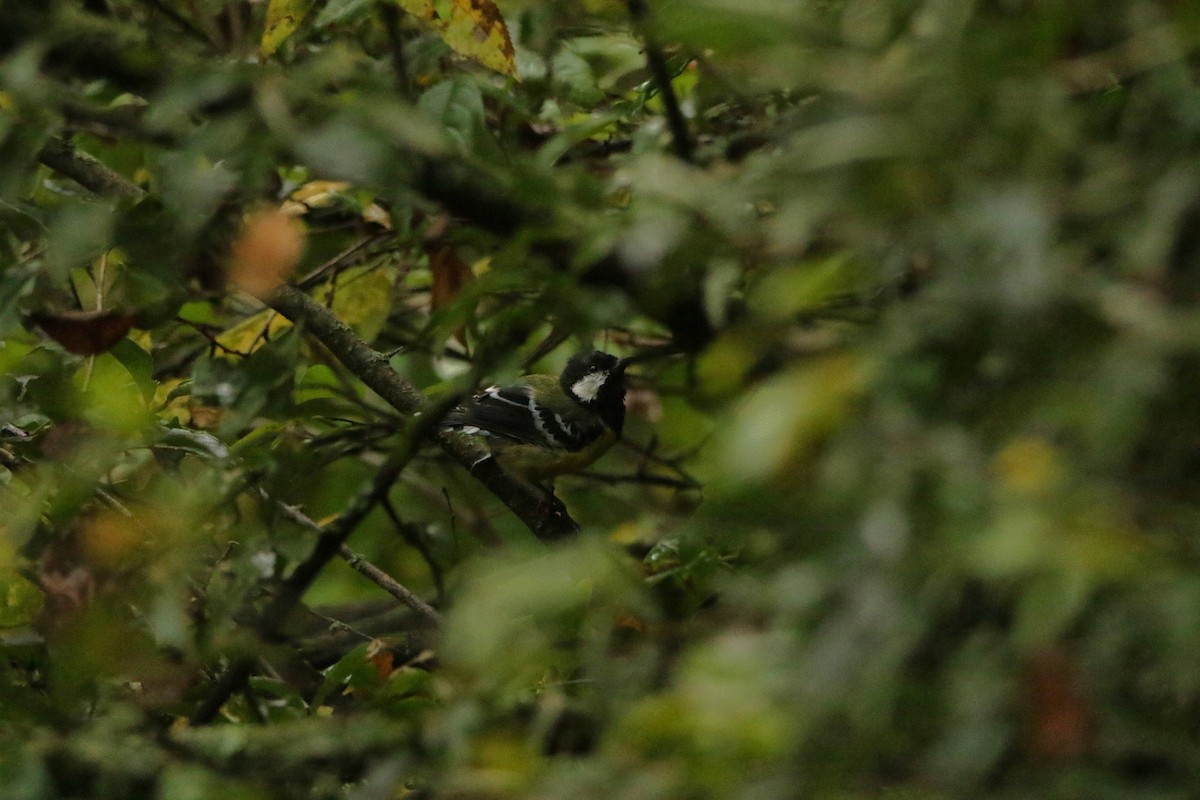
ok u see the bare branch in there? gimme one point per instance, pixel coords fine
(390, 585)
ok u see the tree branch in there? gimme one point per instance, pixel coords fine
(88, 171)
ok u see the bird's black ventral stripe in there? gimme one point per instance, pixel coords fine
(561, 433)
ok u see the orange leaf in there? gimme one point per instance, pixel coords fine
(384, 663)
(266, 252)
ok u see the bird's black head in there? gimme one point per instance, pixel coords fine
(596, 381)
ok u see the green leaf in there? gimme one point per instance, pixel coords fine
(457, 104)
(340, 11)
(140, 365)
(20, 599)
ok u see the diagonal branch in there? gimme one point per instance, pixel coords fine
(88, 171)
(390, 585)
(361, 565)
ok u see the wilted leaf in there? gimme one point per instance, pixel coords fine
(450, 275)
(1058, 715)
(473, 28)
(252, 333)
(283, 18)
(319, 195)
(85, 333)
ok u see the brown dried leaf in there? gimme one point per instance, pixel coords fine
(1058, 715)
(450, 275)
(85, 333)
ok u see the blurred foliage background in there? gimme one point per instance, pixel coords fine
(909, 506)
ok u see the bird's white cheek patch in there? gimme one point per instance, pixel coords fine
(587, 387)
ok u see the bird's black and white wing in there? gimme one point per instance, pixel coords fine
(511, 412)
(507, 412)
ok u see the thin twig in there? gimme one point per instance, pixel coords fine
(340, 260)
(390, 585)
(642, 478)
(99, 279)
(649, 456)
(364, 567)
(1149, 48)
(124, 122)
(183, 22)
(471, 516)
(639, 13)
(412, 535)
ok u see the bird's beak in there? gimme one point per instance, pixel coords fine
(646, 355)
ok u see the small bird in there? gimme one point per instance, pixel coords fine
(545, 426)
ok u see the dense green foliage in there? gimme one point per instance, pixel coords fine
(908, 502)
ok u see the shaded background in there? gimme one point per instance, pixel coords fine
(910, 508)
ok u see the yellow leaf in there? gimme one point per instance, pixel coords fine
(251, 333)
(473, 28)
(361, 297)
(325, 194)
(1028, 466)
(318, 194)
(283, 18)
(20, 598)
